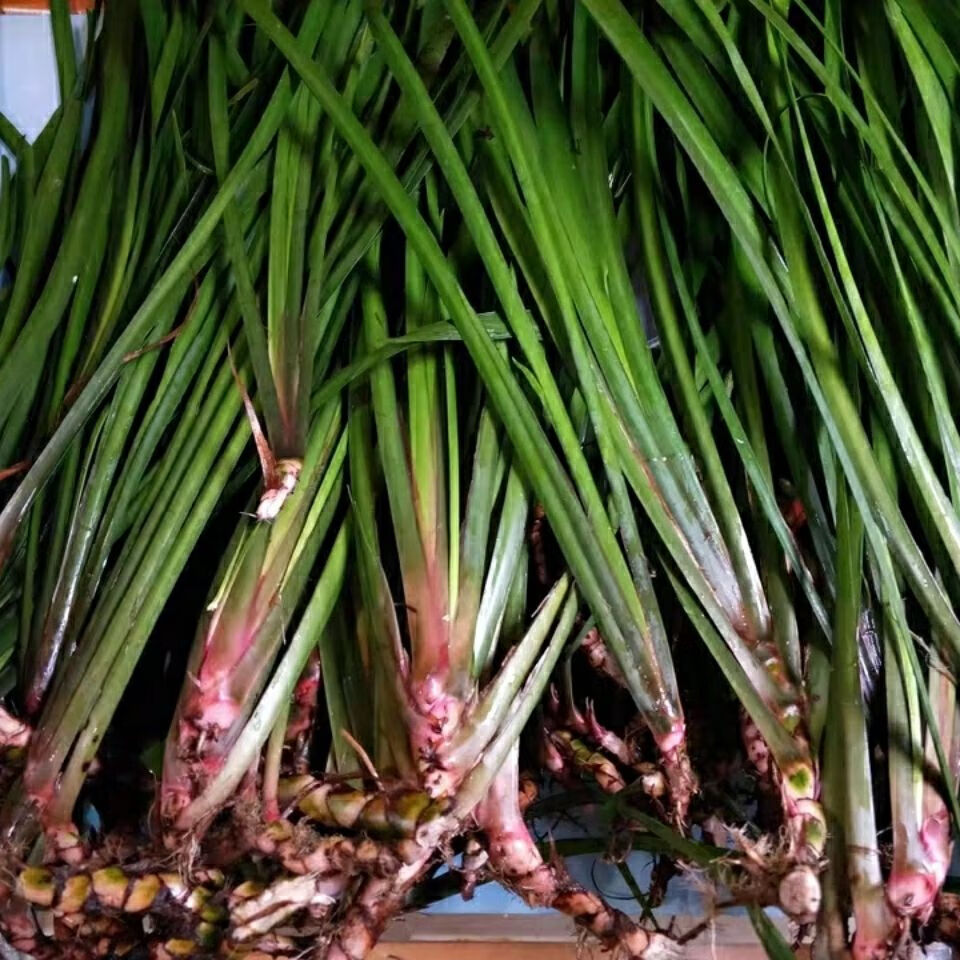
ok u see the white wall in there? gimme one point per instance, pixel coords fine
(28, 70)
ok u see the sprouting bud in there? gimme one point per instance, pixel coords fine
(283, 483)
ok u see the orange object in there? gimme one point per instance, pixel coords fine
(42, 6)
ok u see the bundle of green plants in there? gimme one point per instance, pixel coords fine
(160, 435)
(452, 390)
(787, 341)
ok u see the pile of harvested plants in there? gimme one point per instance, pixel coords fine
(419, 421)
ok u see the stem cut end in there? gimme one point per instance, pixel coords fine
(799, 894)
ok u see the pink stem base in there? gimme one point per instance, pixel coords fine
(515, 857)
(912, 889)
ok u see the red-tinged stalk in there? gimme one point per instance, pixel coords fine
(917, 846)
(534, 453)
(637, 636)
(915, 881)
(439, 683)
(252, 604)
(164, 498)
(435, 801)
(86, 695)
(265, 718)
(770, 655)
(435, 708)
(516, 859)
(485, 713)
(412, 811)
(796, 770)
